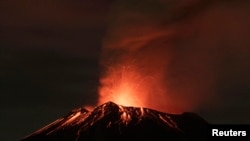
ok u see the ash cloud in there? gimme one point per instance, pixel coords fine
(189, 53)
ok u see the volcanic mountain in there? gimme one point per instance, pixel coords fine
(115, 122)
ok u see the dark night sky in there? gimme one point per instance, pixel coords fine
(50, 50)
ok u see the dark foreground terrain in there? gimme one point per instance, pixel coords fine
(115, 122)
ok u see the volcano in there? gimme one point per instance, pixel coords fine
(110, 121)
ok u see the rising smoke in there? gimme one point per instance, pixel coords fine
(173, 56)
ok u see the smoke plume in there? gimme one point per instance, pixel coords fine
(172, 55)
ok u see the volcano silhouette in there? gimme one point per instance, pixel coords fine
(115, 122)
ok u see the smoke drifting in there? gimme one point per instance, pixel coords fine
(170, 55)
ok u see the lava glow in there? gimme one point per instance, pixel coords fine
(137, 83)
(122, 86)
(144, 64)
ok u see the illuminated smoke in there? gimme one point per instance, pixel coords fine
(166, 55)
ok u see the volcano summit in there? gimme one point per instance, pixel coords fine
(115, 122)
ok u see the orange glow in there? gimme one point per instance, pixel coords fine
(89, 108)
(122, 86)
(130, 84)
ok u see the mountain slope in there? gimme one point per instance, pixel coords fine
(115, 122)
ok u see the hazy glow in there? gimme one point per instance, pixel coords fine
(166, 59)
(137, 83)
(122, 86)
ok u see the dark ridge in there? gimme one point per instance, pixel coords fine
(110, 121)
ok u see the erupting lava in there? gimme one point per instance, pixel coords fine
(146, 61)
(130, 84)
(122, 86)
